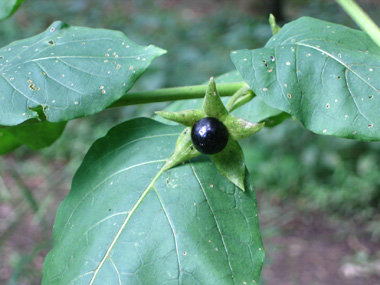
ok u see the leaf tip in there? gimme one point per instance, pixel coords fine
(242, 188)
(273, 24)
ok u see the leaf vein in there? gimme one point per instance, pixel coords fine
(215, 219)
(135, 206)
(173, 231)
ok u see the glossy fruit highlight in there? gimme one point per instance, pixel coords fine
(209, 135)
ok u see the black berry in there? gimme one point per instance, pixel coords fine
(209, 135)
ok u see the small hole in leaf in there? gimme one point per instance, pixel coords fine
(32, 87)
(370, 97)
(339, 77)
(51, 42)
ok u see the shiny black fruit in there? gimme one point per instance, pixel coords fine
(209, 135)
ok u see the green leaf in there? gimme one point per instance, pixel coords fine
(8, 142)
(68, 72)
(273, 24)
(8, 7)
(127, 222)
(323, 74)
(34, 135)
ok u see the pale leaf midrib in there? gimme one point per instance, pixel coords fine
(136, 205)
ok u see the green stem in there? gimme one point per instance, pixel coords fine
(173, 94)
(361, 19)
(25, 191)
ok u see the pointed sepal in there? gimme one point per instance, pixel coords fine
(184, 150)
(212, 104)
(239, 128)
(230, 163)
(187, 117)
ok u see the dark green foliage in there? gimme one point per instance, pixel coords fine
(8, 7)
(123, 214)
(314, 71)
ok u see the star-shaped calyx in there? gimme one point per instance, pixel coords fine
(227, 128)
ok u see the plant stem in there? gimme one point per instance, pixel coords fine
(238, 94)
(28, 196)
(175, 93)
(361, 19)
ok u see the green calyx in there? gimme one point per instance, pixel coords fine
(230, 161)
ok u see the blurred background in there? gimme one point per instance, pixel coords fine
(319, 196)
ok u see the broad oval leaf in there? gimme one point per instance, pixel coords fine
(127, 222)
(35, 136)
(68, 72)
(8, 7)
(325, 75)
